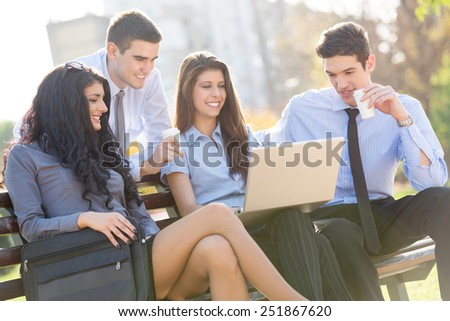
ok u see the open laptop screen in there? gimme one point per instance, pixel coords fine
(292, 174)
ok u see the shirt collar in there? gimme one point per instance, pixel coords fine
(193, 134)
(114, 89)
(337, 103)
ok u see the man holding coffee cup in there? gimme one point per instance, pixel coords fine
(387, 129)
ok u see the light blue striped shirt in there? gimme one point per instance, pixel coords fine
(205, 163)
(383, 144)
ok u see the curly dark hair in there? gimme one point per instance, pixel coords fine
(59, 122)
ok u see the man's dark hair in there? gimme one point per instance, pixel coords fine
(345, 39)
(132, 25)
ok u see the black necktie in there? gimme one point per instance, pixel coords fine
(120, 117)
(359, 181)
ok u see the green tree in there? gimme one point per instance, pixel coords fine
(298, 67)
(425, 7)
(440, 104)
(6, 135)
(414, 52)
(6, 132)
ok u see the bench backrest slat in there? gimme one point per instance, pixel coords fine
(160, 200)
(8, 225)
(11, 289)
(10, 255)
(5, 201)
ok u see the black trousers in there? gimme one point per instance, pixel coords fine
(399, 223)
(304, 258)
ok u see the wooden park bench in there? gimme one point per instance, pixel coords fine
(409, 264)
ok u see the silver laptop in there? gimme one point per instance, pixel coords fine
(301, 175)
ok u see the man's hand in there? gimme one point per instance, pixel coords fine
(166, 151)
(385, 100)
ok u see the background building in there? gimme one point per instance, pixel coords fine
(233, 30)
(75, 38)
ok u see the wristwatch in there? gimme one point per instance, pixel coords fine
(407, 122)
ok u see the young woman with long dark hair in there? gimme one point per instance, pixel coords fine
(214, 170)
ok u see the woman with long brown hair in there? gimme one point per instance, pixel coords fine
(216, 142)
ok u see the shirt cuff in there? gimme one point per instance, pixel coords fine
(413, 141)
(170, 168)
(69, 223)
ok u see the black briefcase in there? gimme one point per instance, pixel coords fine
(85, 266)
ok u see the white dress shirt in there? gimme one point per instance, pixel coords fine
(146, 110)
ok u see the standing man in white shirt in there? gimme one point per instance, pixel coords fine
(128, 63)
(400, 132)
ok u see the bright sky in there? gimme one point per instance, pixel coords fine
(25, 52)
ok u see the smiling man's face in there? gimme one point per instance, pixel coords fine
(346, 74)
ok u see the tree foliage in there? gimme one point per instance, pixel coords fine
(426, 7)
(414, 52)
(440, 104)
(6, 135)
(299, 68)
(6, 132)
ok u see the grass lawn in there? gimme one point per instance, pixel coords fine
(426, 290)
(10, 273)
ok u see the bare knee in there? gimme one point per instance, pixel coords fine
(221, 215)
(218, 208)
(217, 254)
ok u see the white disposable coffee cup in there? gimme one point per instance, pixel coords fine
(171, 132)
(362, 105)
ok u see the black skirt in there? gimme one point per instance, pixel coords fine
(151, 290)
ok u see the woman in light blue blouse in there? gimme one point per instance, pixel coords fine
(214, 168)
(60, 181)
